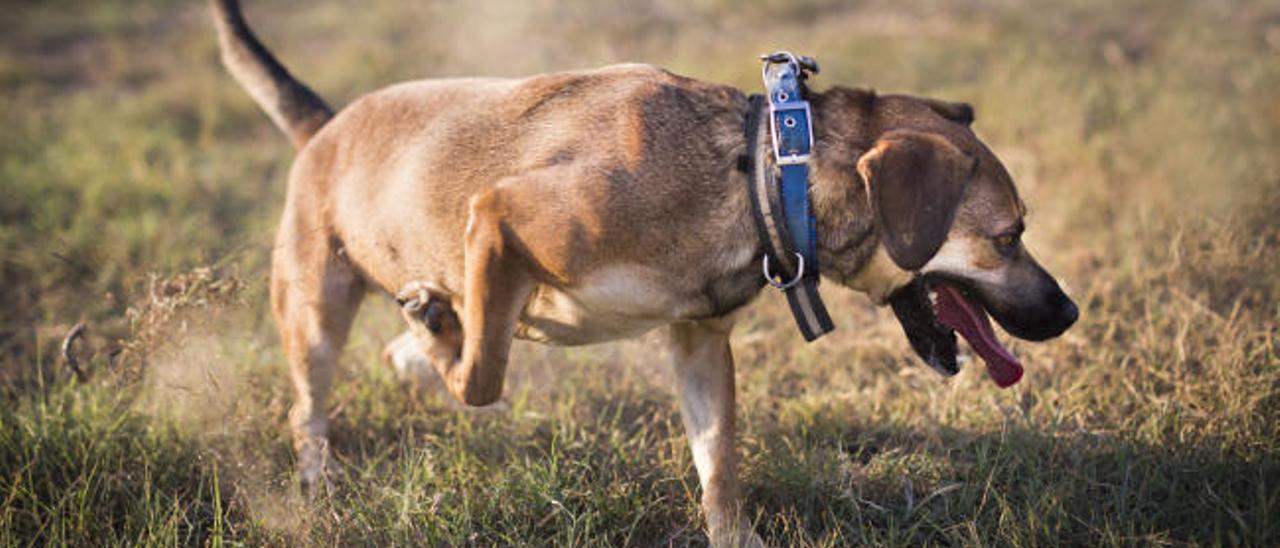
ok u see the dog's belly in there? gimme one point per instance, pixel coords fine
(612, 303)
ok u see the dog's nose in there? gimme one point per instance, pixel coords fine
(1070, 313)
(1059, 314)
(1067, 312)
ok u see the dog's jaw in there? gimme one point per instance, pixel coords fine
(880, 277)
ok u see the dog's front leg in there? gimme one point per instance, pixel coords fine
(703, 370)
(473, 362)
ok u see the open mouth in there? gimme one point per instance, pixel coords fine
(933, 311)
(967, 317)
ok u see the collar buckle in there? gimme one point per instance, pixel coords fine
(793, 141)
(790, 118)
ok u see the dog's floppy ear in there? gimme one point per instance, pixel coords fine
(956, 112)
(914, 182)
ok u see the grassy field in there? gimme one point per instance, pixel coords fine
(139, 187)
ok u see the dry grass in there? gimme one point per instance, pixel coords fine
(140, 187)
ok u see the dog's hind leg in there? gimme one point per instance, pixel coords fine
(315, 293)
(703, 368)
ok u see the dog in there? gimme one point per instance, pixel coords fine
(588, 206)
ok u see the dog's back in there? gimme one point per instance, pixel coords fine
(417, 152)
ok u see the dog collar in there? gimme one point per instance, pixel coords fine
(780, 189)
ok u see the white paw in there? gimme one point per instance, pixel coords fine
(313, 465)
(411, 365)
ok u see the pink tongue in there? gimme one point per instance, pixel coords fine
(971, 322)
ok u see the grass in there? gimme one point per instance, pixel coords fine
(140, 188)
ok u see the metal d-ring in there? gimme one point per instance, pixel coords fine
(784, 286)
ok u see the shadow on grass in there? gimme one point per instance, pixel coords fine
(1021, 485)
(610, 467)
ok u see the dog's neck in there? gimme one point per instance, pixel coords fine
(849, 247)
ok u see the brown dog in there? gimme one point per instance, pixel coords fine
(578, 207)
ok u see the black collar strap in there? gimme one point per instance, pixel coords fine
(780, 204)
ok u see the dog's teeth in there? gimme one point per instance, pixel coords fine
(933, 297)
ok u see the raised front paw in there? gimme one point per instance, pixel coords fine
(423, 302)
(433, 322)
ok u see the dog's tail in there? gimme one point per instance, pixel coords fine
(293, 107)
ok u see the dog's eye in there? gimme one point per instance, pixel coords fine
(1006, 243)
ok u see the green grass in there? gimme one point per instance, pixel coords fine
(139, 188)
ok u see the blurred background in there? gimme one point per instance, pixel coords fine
(139, 187)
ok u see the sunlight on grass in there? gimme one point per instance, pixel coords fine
(140, 188)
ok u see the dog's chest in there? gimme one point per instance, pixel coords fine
(611, 303)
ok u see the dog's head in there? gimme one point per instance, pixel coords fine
(946, 211)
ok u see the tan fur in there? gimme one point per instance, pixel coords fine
(568, 208)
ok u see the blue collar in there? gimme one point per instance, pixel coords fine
(780, 189)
